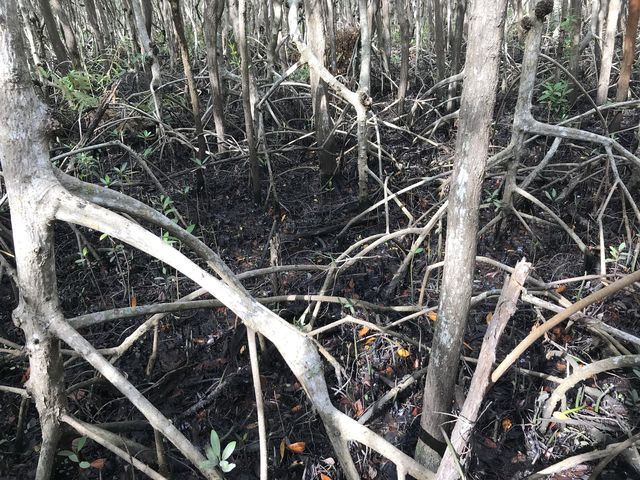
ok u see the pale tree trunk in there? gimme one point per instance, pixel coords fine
(147, 11)
(440, 48)
(608, 48)
(213, 10)
(101, 11)
(314, 19)
(456, 47)
(30, 23)
(384, 34)
(404, 20)
(68, 33)
(23, 117)
(574, 45)
(178, 24)
(628, 50)
(54, 36)
(598, 20)
(522, 111)
(245, 59)
(419, 20)
(331, 33)
(472, 143)
(151, 58)
(364, 87)
(92, 17)
(127, 7)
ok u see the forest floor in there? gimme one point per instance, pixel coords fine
(203, 355)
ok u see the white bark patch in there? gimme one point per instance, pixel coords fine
(461, 187)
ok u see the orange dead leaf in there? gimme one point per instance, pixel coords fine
(99, 463)
(363, 331)
(561, 366)
(507, 424)
(560, 289)
(487, 442)
(489, 317)
(25, 375)
(324, 477)
(369, 340)
(359, 410)
(134, 301)
(403, 352)
(296, 408)
(433, 316)
(297, 447)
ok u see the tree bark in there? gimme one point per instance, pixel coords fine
(608, 51)
(476, 110)
(24, 154)
(314, 19)
(254, 163)
(54, 36)
(92, 17)
(628, 50)
(213, 10)
(68, 33)
(405, 36)
(440, 46)
(193, 93)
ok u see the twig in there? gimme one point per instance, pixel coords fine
(481, 380)
(85, 430)
(559, 318)
(262, 429)
(571, 462)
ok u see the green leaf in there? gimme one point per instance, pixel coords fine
(79, 443)
(65, 453)
(226, 467)
(418, 250)
(84, 464)
(103, 236)
(215, 443)
(74, 458)
(211, 455)
(190, 228)
(228, 450)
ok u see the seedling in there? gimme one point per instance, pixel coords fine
(215, 458)
(74, 454)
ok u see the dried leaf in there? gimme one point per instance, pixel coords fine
(403, 352)
(487, 442)
(134, 301)
(297, 447)
(489, 317)
(507, 424)
(369, 340)
(560, 289)
(324, 477)
(363, 331)
(296, 408)
(433, 316)
(561, 366)
(99, 463)
(358, 408)
(282, 448)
